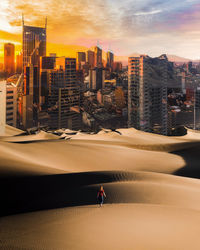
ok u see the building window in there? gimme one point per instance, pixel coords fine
(9, 97)
(9, 108)
(9, 119)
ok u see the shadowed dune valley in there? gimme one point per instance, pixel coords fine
(49, 185)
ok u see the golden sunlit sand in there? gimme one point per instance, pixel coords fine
(50, 185)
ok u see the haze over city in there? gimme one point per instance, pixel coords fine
(143, 26)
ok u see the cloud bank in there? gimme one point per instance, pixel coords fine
(146, 26)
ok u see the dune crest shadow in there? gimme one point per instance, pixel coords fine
(32, 193)
(191, 157)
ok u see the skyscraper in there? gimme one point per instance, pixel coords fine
(64, 95)
(96, 78)
(80, 59)
(110, 60)
(3, 106)
(19, 63)
(189, 67)
(97, 57)
(9, 58)
(147, 93)
(30, 96)
(47, 64)
(90, 58)
(34, 45)
(11, 104)
(117, 66)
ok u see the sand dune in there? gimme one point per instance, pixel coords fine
(148, 206)
(40, 136)
(80, 156)
(124, 226)
(121, 187)
(192, 134)
(11, 131)
(140, 140)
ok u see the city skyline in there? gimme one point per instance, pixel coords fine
(147, 26)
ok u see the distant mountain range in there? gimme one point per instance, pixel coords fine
(174, 58)
(171, 58)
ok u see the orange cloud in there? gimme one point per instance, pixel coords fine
(145, 26)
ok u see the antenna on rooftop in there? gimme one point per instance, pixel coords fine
(22, 19)
(109, 48)
(98, 44)
(46, 22)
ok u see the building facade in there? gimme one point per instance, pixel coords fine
(96, 78)
(11, 105)
(47, 64)
(9, 58)
(3, 106)
(34, 45)
(147, 93)
(30, 97)
(110, 60)
(19, 62)
(98, 57)
(117, 66)
(80, 60)
(64, 95)
(90, 58)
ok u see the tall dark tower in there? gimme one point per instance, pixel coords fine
(33, 47)
(110, 60)
(9, 58)
(34, 44)
(98, 56)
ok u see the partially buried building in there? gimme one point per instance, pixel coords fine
(147, 93)
(64, 95)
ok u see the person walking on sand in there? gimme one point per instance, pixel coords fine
(100, 196)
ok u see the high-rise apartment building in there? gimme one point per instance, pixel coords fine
(97, 57)
(19, 63)
(30, 96)
(47, 64)
(80, 81)
(90, 58)
(64, 95)
(117, 66)
(147, 93)
(110, 60)
(80, 60)
(11, 104)
(9, 58)
(189, 67)
(33, 47)
(3, 106)
(96, 78)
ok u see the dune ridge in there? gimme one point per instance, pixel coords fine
(49, 187)
(51, 191)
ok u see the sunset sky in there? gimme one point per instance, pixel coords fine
(126, 26)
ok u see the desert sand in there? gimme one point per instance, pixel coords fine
(49, 185)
